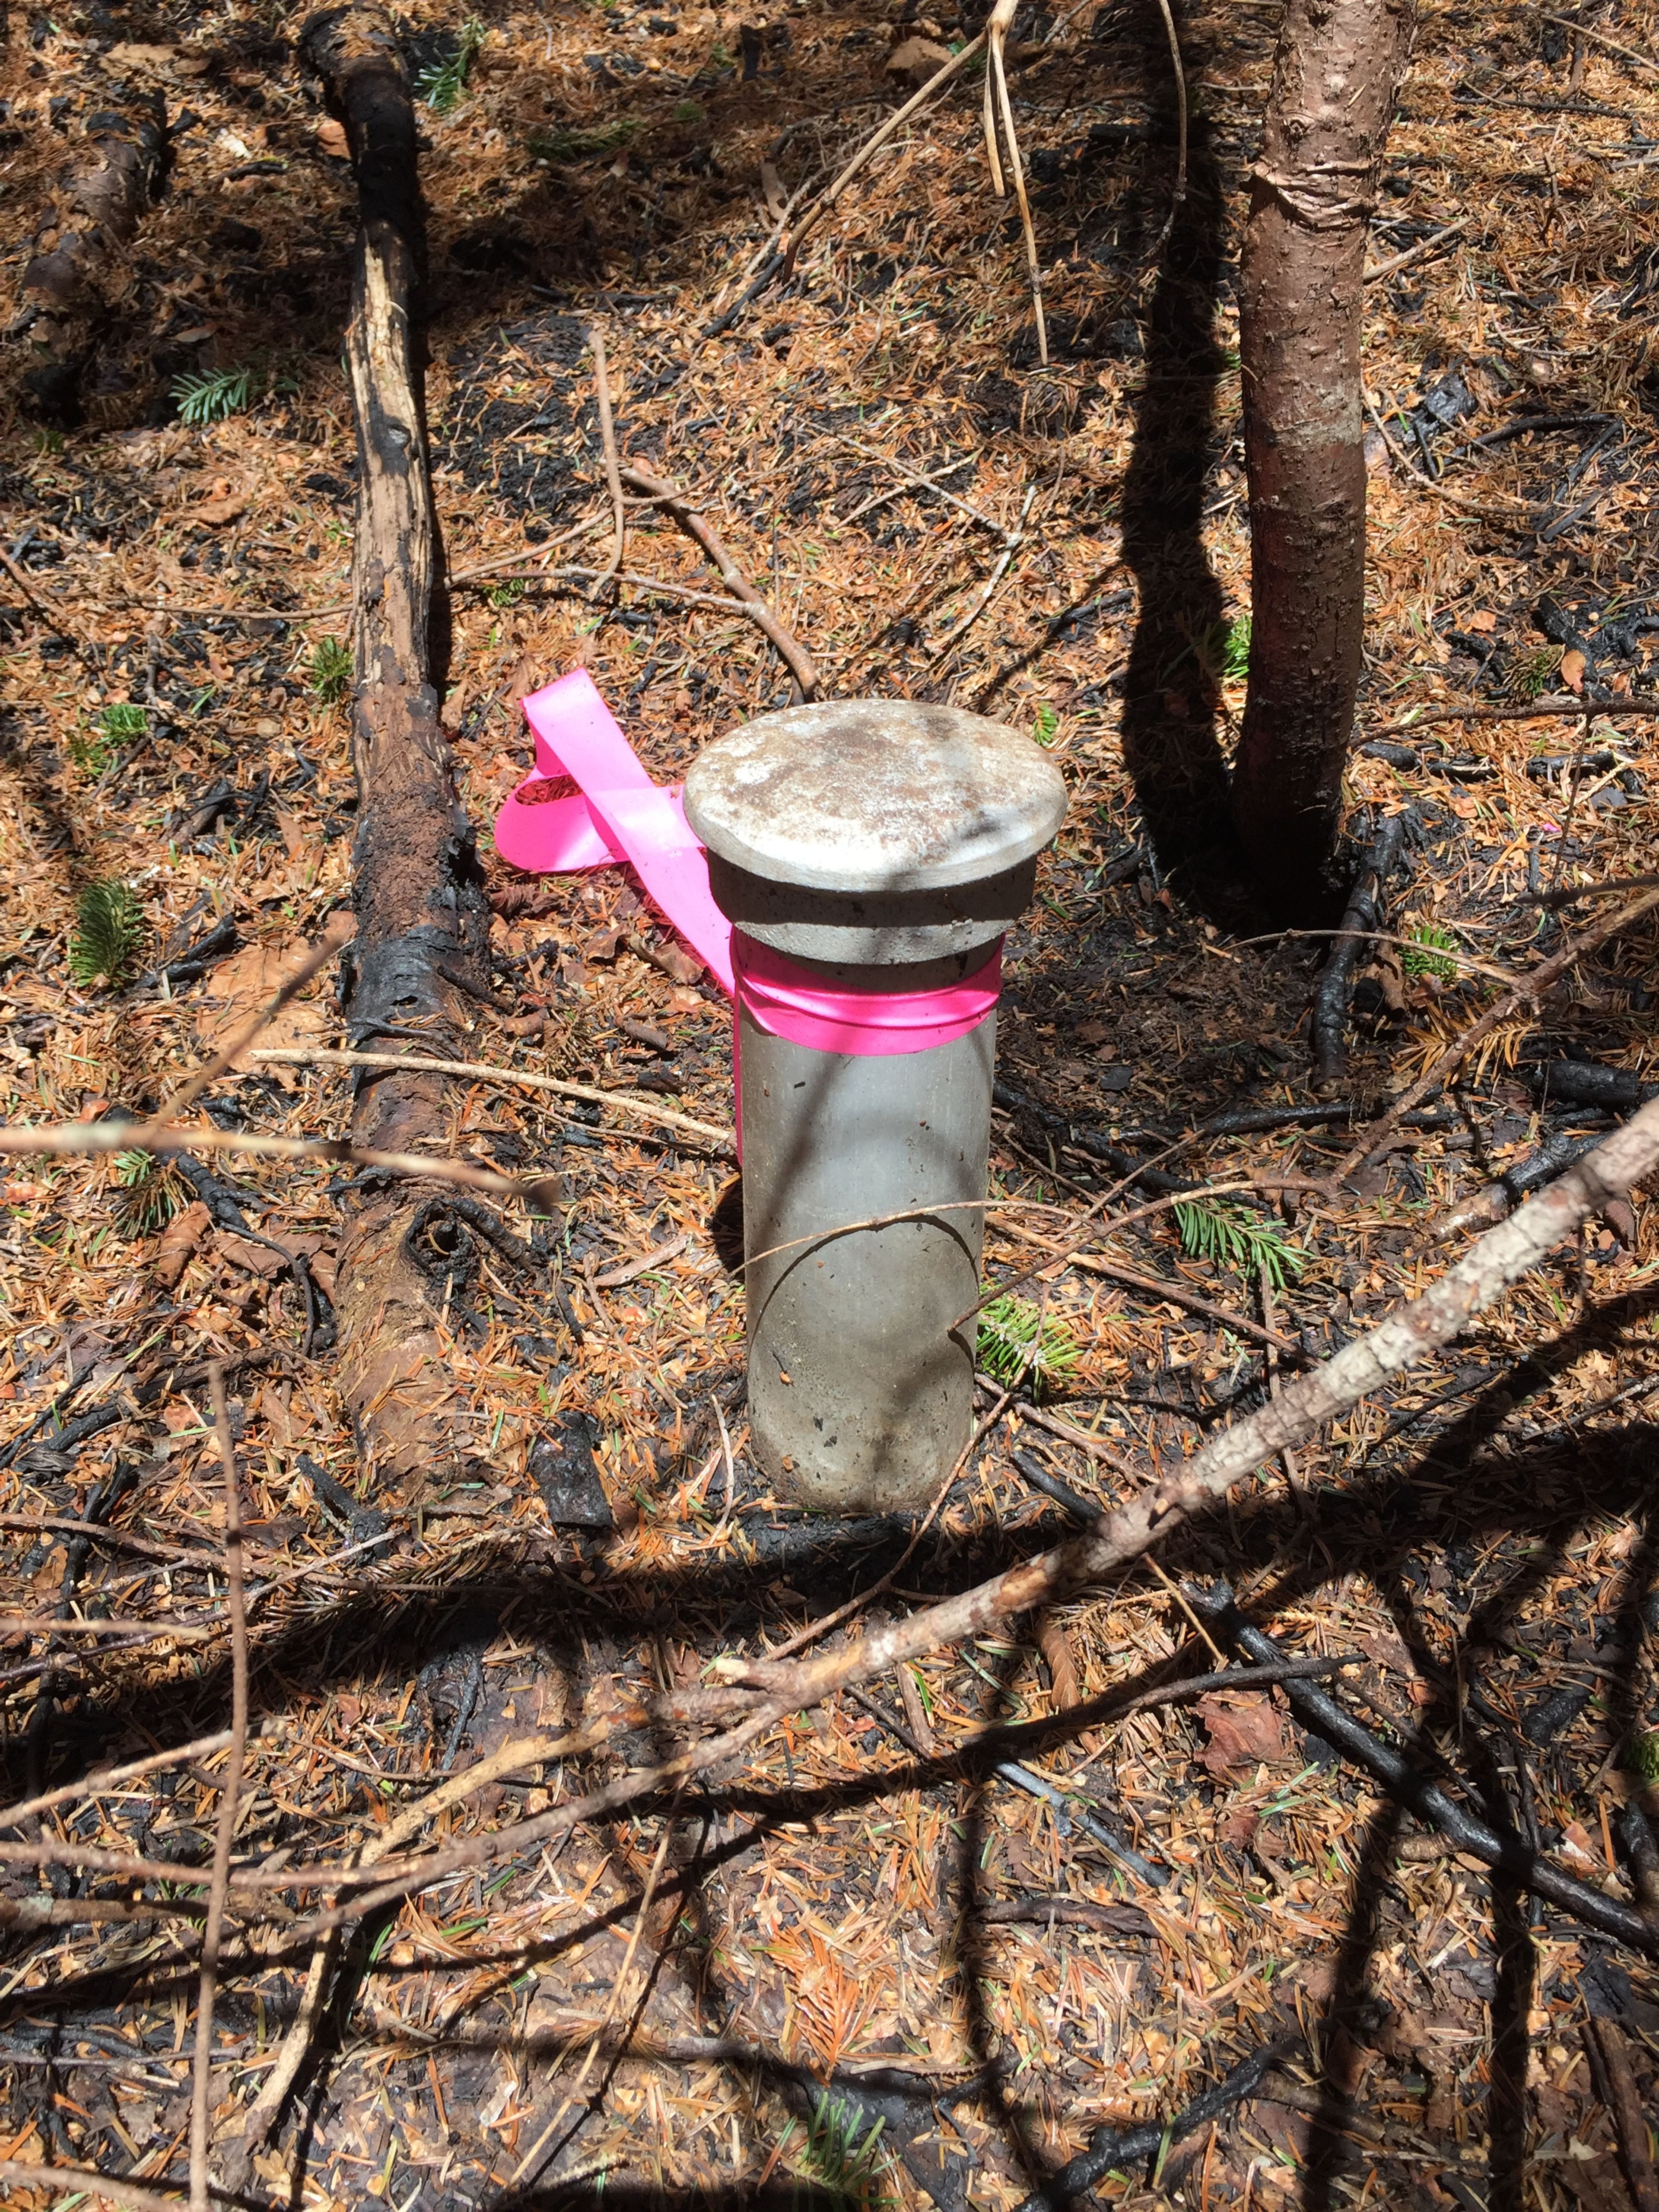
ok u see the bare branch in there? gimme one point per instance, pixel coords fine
(1530, 989)
(228, 1802)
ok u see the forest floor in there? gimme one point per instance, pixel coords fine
(958, 1960)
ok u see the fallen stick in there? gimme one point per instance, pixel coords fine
(1359, 922)
(998, 108)
(1624, 2102)
(608, 439)
(208, 1073)
(1306, 1404)
(1108, 2150)
(1505, 1850)
(521, 1078)
(524, 1755)
(1556, 899)
(1494, 1199)
(1537, 710)
(1530, 989)
(1420, 252)
(832, 191)
(1409, 1335)
(110, 1778)
(229, 1802)
(539, 1194)
(1177, 1294)
(1601, 39)
(673, 502)
(84, 2182)
(1011, 544)
(1069, 1432)
(101, 199)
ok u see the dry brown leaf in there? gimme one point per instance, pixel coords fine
(259, 1259)
(524, 677)
(1384, 970)
(917, 59)
(252, 977)
(1483, 621)
(1573, 669)
(128, 54)
(1055, 1647)
(1387, 1648)
(226, 507)
(1244, 1731)
(179, 1240)
(1240, 1826)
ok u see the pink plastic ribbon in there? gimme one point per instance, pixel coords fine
(617, 814)
(787, 1001)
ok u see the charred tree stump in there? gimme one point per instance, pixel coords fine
(421, 948)
(1300, 314)
(101, 197)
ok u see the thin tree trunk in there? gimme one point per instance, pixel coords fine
(1302, 308)
(423, 922)
(101, 197)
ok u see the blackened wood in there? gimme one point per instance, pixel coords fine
(1503, 1849)
(1359, 924)
(421, 956)
(101, 199)
(1301, 311)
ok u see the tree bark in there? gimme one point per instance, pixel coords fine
(101, 198)
(1301, 314)
(421, 948)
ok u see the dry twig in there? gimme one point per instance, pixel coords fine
(192, 1088)
(1569, 894)
(1524, 993)
(1624, 2101)
(702, 534)
(228, 1802)
(833, 191)
(1536, 710)
(111, 1778)
(996, 89)
(1514, 511)
(484, 1071)
(539, 1195)
(608, 435)
(85, 2183)
(1601, 39)
(1420, 252)
(1180, 193)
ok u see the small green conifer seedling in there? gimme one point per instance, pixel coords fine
(109, 929)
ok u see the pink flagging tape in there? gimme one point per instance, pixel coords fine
(619, 815)
(787, 1001)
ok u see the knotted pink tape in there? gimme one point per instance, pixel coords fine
(617, 814)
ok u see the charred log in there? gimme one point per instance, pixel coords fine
(421, 952)
(101, 198)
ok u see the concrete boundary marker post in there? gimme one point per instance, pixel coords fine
(870, 856)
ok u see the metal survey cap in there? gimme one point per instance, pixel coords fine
(858, 796)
